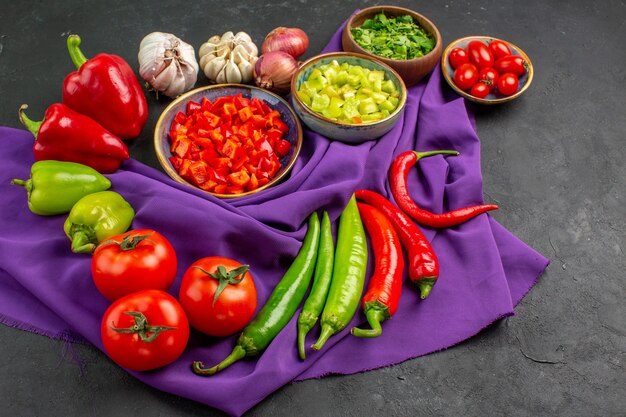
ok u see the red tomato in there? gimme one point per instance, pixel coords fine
(144, 330)
(136, 260)
(479, 54)
(488, 76)
(499, 49)
(512, 63)
(507, 84)
(218, 295)
(457, 57)
(282, 147)
(465, 76)
(480, 90)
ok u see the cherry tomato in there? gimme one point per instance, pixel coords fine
(465, 76)
(144, 330)
(499, 49)
(512, 63)
(480, 90)
(457, 57)
(507, 84)
(488, 76)
(218, 295)
(479, 54)
(136, 260)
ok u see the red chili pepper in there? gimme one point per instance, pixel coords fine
(398, 174)
(423, 263)
(106, 89)
(383, 291)
(65, 135)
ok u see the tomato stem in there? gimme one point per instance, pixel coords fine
(141, 327)
(128, 242)
(225, 277)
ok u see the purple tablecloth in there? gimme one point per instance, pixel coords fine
(485, 270)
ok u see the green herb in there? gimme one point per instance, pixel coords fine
(393, 37)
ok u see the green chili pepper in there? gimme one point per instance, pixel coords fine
(96, 217)
(348, 278)
(279, 308)
(321, 282)
(55, 186)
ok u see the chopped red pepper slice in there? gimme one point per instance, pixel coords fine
(180, 117)
(192, 107)
(230, 145)
(205, 104)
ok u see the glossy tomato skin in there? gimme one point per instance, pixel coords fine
(128, 350)
(480, 90)
(508, 84)
(150, 264)
(479, 54)
(465, 76)
(499, 49)
(234, 307)
(489, 76)
(513, 63)
(458, 57)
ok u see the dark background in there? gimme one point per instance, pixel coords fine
(553, 160)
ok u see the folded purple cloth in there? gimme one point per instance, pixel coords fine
(485, 270)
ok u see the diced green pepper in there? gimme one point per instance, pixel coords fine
(320, 102)
(349, 93)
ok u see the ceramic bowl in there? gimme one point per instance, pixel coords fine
(346, 132)
(493, 97)
(411, 70)
(161, 132)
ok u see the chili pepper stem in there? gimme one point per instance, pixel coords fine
(73, 43)
(325, 334)
(426, 154)
(238, 353)
(425, 285)
(31, 125)
(306, 321)
(374, 317)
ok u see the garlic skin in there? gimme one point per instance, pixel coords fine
(229, 58)
(167, 64)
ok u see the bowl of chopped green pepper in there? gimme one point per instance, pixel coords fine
(403, 39)
(348, 97)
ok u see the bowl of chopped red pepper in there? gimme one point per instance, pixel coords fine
(229, 140)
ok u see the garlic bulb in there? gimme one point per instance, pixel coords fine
(229, 58)
(167, 63)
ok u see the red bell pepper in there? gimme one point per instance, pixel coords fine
(106, 89)
(65, 135)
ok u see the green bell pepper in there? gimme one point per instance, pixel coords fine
(55, 186)
(95, 218)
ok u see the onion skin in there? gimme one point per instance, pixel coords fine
(274, 70)
(293, 41)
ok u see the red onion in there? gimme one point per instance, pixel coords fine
(291, 40)
(273, 71)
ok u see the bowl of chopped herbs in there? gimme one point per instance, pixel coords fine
(403, 39)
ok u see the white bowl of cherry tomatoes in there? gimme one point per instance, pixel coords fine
(486, 70)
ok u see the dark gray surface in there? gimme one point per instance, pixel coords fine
(553, 161)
